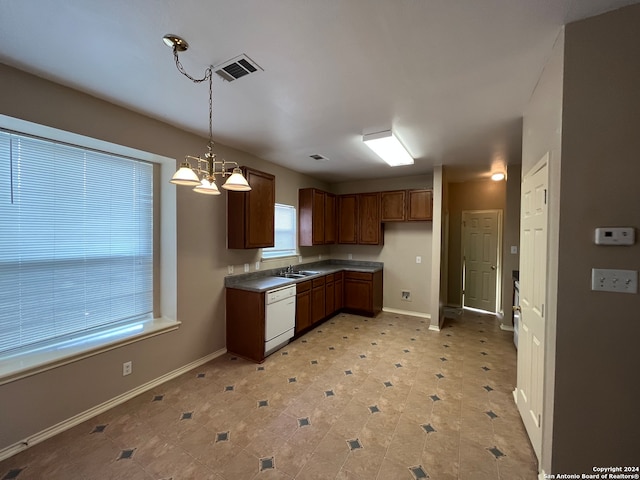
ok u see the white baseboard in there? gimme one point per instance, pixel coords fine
(103, 407)
(406, 312)
(434, 328)
(507, 328)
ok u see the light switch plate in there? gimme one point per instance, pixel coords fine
(609, 280)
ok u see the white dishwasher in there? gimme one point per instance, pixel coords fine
(280, 318)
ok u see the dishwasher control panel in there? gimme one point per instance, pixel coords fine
(280, 294)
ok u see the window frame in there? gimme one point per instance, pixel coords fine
(274, 252)
(19, 364)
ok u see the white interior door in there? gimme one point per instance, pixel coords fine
(481, 244)
(533, 287)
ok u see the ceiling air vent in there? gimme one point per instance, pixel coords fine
(319, 158)
(236, 68)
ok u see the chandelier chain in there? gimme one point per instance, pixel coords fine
(208, 75)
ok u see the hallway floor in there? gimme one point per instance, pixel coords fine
(354, 399)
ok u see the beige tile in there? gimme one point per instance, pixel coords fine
(366, 461)
(320, 468)
(393, 438)
(243, 465)
(392, 470)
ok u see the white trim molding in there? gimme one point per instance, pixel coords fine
(406, 312)
(103, 407)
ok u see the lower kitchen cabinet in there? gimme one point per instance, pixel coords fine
(245, 323)
(363, 292)
(338, 297)
(329, 295)
(317, 300)
(303, 305)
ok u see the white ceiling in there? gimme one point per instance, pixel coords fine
(452, 78)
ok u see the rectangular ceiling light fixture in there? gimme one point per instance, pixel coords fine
(388, 147)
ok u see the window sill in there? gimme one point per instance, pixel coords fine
(19, 366)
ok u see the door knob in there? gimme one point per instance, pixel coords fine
(493, 267)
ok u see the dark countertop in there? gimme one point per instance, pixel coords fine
(268, 279)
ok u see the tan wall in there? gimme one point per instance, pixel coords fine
(542, 133)
(30, 405)
(596, 419)
(472, 195)
(510, 237)
(402, 243)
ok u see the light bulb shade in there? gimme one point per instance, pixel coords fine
(185, 176)
(237, 182)
(207, 187)
(388, 147)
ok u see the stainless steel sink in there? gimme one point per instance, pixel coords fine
(308, 272)
(300, 274)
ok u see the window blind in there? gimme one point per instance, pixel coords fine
(285, 232)
(76, 240)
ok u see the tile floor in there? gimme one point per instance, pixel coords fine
(354, 399)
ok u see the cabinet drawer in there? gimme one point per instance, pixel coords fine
(329, 278)
(318, 282)
(358, 276)
(303, 286)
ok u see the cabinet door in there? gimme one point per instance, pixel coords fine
(245, 323)
(392, 206)
(420, 205)
(329, 296)
(318, 217)
(305, 217)
(363, 292)
(317, 300)
(303, 310)
(338, 300)
(369, 226)
(329, 218)
(348, 219)
(250, 215)
(357, 294)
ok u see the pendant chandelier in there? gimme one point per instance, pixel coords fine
(202, 176)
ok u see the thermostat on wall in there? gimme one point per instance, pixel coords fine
(615, 236)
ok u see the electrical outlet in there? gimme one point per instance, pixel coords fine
(299, 258)
(350, 256)
(127, 368)
(406, 295)
(230, 269)
(418, 259)
(257, 265)
(246, 267)
(320, 257)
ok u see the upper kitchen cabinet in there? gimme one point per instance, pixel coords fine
(348, 219)
(369, 225)
(250, 215)
(393, 206)
(406, 205)
(420, 205)
(359, 219)
(316, 217)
